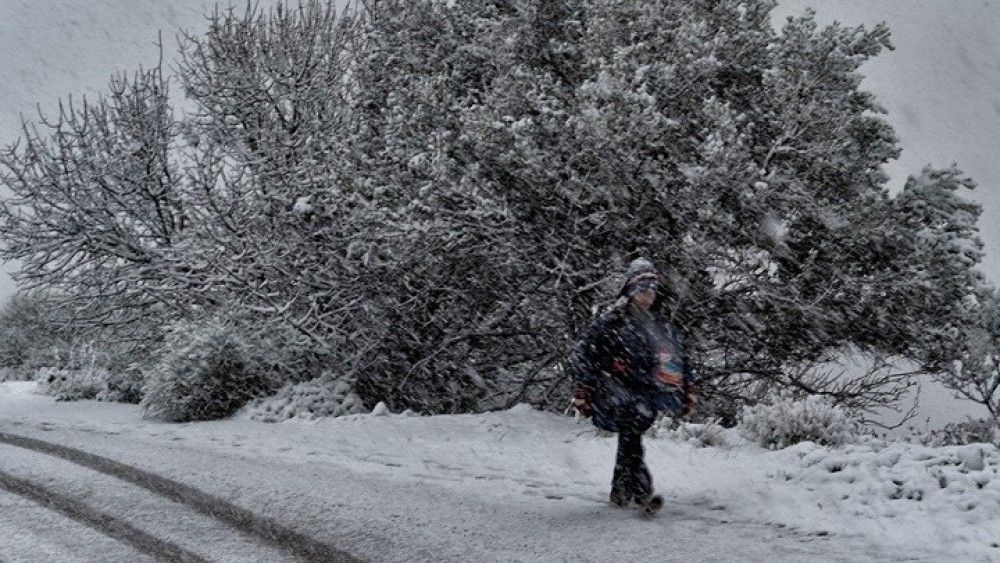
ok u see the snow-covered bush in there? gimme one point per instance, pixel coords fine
(204, 373)
(23, 372)
(74, 372)
(970, 431)
(974, 372)
(8, 373)
(723, 408)
(29, 338)
(325, 396)
(71, 384)
(786, 421)
(122, 386)
(708, 434)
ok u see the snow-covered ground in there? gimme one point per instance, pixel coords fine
(133, 507)
(531, 486)
(31, 532)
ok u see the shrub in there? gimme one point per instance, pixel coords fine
(71, 384)
(708, 434)
(8, 373)
(73, 372)
(325, 396)
(24, 327)
(123, 386)
(788, 421)
(722, 408)
(203, 373)
(30, 339)
(970, 431)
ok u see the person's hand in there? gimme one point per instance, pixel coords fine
(690, 403)
(581, 402)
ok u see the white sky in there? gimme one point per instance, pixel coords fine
(941, 85)
(50, 49)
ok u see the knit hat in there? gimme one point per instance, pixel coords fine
(642, 275)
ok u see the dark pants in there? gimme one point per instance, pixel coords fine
(632, 480)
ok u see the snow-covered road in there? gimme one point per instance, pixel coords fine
(30, 532)
(511, 486)
(70, 474)
(135, 516)
(437, 521)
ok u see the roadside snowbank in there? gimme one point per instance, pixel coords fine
(902, 493)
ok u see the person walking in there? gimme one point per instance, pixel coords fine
(629, 366)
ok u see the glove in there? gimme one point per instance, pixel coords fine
(581, 401)
(690, 401)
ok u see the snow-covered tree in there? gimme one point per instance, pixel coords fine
(432, 198)
(268, 190)
(29, 337)
(942, 284)
(745, 160)
(974, 372)
(94, 208)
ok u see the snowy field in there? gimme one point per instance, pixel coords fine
(528, 486)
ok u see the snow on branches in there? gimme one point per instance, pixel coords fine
(432, 198)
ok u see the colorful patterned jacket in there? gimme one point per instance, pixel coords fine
(626, 377)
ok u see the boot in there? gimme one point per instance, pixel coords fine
(618, 498)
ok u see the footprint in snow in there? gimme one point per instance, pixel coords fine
(550, 496)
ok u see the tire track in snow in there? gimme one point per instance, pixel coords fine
(104, 523)
(296, 543)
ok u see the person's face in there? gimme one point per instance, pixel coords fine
(644, 299)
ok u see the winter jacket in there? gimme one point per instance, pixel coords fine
(619, 365)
